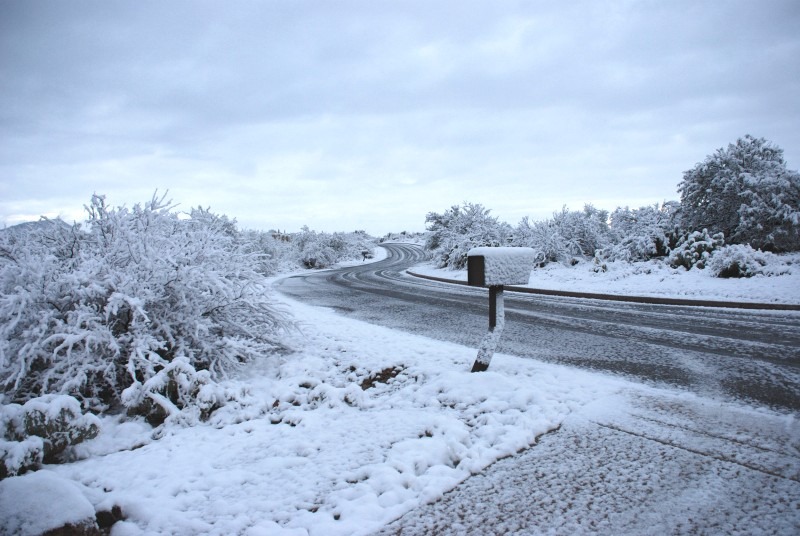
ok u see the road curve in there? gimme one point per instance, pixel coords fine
(730, 354)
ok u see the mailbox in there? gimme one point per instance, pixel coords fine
(493, 267)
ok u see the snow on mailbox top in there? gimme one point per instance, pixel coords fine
(488, 266)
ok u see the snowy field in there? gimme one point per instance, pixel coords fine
(655, 278)
(358, 425)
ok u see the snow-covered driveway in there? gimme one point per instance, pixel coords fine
(634, 463)
(726, 354)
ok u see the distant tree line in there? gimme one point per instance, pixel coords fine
(741, 198)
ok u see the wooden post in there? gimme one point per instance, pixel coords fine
(496, 324)
(493, 306)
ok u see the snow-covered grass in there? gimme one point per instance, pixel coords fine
(656, 278)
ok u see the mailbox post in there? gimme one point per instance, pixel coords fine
(494, 267)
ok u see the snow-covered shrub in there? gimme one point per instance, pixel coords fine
(566, 235)
(91, 311)
(584, 231)
(322, 250)
(404, 236)
(267, 250)
(544, 238)
(460, 229)
(315, 250)
(695, 249)
(642, 234)
(739, 260)
(172, 391)
(40, 430)
(599, 266)
(20, 456)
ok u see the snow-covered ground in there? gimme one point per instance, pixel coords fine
(359, 425)
(317, 449)
(655, 278)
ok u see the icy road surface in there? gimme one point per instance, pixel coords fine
(726, 354)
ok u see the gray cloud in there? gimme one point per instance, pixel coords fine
(344, 115)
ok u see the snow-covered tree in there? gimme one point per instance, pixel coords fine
(747, 193)
(404, 236)
(461, 228)
(139, 308)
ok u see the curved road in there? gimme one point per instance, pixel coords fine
(752, 356)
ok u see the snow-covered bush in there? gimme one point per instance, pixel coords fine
(739, 260)
(404, 236)
(92, 311)
(20, 456)
(747, 193)
(279, 251)
(268, 250)
(642, 234)
(460, 229)
(315, 250)
(177, 391)
(40, 430)
(566, 235)
(544, 238)
(585, 231)
(695, 249)
(322, 250)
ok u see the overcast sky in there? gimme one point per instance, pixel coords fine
(367, 115)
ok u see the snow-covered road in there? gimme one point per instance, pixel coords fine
(726, 354)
